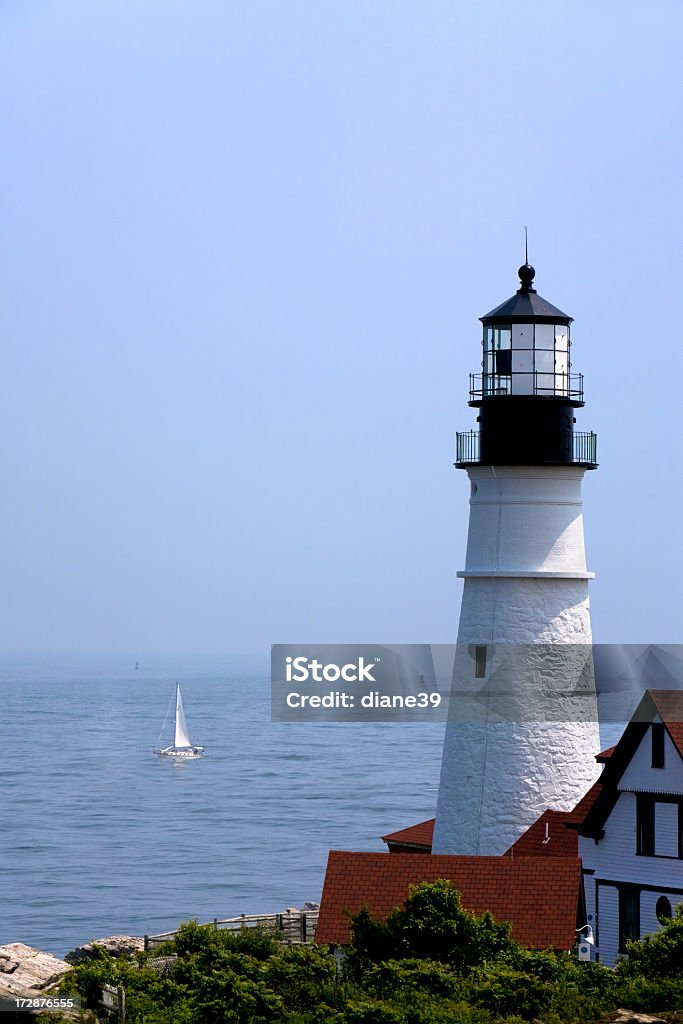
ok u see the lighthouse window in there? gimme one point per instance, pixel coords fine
(504, 362)
(561, 364)
(496, 338)
(545, 337)
(545, 361)
(526, 359)
(497, 359)
(479, 662)
(502, 337)
(561, 338)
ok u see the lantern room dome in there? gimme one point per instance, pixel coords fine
(526, 305)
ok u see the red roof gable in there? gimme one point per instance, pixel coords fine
(415, 835)
(547, 837)
(539, 896)
(669, 705)
(605, 755)
(585, 804)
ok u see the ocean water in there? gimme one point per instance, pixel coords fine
(100, 836)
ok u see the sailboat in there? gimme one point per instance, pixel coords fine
(182, 746)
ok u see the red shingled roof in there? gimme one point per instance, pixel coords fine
(669, 705)
(605, 755)
(558, 842)
(585, 804)
(563, 841)
(539, 896)
(414, 836)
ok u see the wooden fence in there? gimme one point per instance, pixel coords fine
(113, 1000)
(291, 926)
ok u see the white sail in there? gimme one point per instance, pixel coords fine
(182, 738)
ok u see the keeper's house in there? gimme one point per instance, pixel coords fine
(631, 837)
(615, 861)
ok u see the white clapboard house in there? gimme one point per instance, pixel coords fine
(631, 838)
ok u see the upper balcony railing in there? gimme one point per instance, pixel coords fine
(535, 382)
(466, 447)
(584, 449)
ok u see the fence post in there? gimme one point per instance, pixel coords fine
(146, 947)
(302, 922)
(215, 924)
(121, 993)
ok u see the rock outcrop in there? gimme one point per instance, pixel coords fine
(115, 945)
(25, 970)
(631, 1017)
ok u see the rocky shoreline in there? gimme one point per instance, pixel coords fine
(26, 971)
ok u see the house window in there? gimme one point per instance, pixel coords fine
(629, 916)
(659, 823)
(663, 909)
(657, 745)
(645, 826)
(479, 662)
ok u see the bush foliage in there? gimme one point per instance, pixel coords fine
(430, 962)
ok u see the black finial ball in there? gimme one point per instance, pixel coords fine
(526, 275)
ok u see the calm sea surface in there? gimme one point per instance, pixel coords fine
(100, 836)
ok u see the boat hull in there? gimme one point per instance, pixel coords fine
(190, 754)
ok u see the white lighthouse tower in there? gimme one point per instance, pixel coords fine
(522, 731)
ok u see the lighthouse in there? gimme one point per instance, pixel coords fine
(522, 732)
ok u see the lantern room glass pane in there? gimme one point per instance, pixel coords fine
(561, 384)
(522, 359)
(522, 336)
(545, 383)
(561, 338)
(523, 384)
(545, 337)
(522, 364)
(502, 337)
(497, 359)
(545, 361)
(503, 362)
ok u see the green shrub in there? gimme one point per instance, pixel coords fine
(505, 992)
(427, 976)
(659, 955)
(432, 925)
(301, 975)
(649, 995)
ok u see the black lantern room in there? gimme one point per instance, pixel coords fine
(526, 393)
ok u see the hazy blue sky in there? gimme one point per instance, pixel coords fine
(244, 250)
